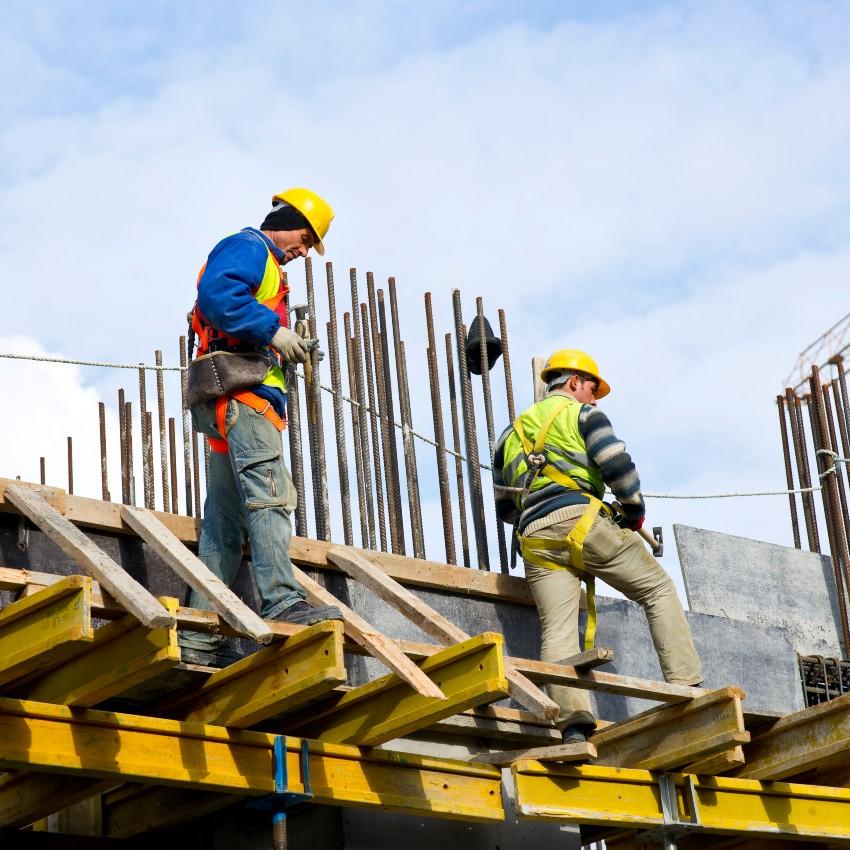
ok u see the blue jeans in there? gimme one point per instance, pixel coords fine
(249, 489)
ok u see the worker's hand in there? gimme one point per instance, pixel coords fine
(632, 524)
(292, 347)
(313, 344)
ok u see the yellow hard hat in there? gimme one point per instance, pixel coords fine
(571, 360)
(315, 209)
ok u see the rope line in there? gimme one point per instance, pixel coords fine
(680, 496)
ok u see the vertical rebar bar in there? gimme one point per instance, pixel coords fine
(506, 360)
(42, 471)
(357, 352)
(147, 474)
(150, 489)
(186, 423)
(839, 475)
(798, 437)
(206, 463)
(386, 427)
(172, 452)
(163, 443)
(339, 416)
(128, 437)
(406, 425)
(122, 440)
(360, 478)
(837, 540)
(196, 473)
(842, 407)
(789, 473)
(70, 466)
(104, 477)
(488, 415)
(439, 435)
(376, 428)
(316, 429)
(296, 448)
(461, 497)
(473, 469)
(390, 415)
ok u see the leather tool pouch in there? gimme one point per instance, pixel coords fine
(222, 372)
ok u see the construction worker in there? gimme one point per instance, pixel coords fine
(551, 467)
(241, 308)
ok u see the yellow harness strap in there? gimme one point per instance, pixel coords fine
(575, 541)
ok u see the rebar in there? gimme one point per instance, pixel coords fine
(128, 437)
(122, 440)
(461, 497)
(471, 438)
(488, 415)
(339, 415)
(843, 409)
(196, 473)
(837, 541)
(357, 352)
(163, 445)
(360, 478)
(296, 448)
(206, 463)
(187, 425)
(376, 427)
(147, 473)
(386, 426)
(798, 436)
(390, 418)
(839, 477)
(172, 451)
(789, 474)
(506, 360)
(104, 477)
(42, 471)
(70, 467)
(439, 435)
(316, 429)
(411, 470)
(148, 453)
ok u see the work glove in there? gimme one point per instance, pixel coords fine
(292, 347)
(313, 343)
(632, 524)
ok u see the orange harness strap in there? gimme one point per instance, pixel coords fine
(261, 405)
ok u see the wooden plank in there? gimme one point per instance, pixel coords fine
(814, 738)
(492, 729)
(125, 747)
(138, 601)
(717, 764)
(277, 679)
(559, 752)
(122, 655)
(434, 624)
(27, 797)
(56, 497)
(669, 737)
(376, 644)
(45, 629)
(469, 673)
(196, 574)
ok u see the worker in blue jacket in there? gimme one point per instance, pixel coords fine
(241, 308)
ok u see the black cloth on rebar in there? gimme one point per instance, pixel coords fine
(473, 346)
(285, 218)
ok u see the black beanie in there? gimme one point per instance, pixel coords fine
(285, 217)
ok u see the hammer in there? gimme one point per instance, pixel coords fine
(655, 539)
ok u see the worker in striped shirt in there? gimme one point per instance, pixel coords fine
(551, 468)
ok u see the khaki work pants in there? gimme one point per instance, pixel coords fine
(619, 558)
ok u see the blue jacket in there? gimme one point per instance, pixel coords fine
(226, 299)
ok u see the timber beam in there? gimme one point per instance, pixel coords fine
(122, 747)
(468, 673)
(627, 798)
(46, 628)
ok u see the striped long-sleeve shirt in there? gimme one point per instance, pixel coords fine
(605, 451)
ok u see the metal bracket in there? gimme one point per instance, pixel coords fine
(658, 534)
(23, 534)
(283, 798)
(673, 825)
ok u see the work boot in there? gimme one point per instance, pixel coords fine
(304, 614)
(577, 734)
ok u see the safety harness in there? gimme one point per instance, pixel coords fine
(539, 464)
(210, 338)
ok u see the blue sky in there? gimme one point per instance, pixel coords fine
(662, 184)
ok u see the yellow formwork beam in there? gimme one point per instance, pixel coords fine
(468, 673)
(123, 654)
(45, 629)
(280, 678)
(123, 747)
(716, 805)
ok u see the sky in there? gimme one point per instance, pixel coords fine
(664, 185)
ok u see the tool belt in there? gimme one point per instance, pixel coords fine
(220, 373)
(261, 405)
